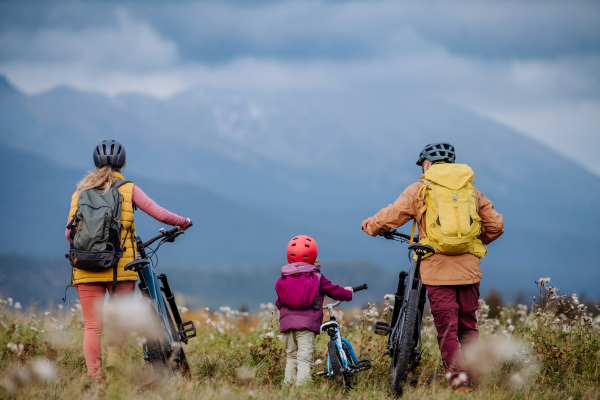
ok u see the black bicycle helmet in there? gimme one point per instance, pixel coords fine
(436, 152)
(109, 152)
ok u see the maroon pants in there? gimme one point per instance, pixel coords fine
(453, 309)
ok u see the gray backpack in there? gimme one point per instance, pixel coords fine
(96, 243)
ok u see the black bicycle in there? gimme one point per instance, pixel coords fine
(404, 342)
(163, 347)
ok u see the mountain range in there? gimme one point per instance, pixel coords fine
(252, 169)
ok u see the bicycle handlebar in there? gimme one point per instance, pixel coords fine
(361, 287)
(354, 289)
(393, 234)
(171, 234)
(332, 305)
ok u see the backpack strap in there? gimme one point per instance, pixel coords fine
(114, 285)
(412, 233)
(120, 182)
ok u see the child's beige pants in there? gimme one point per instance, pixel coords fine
(300, 347)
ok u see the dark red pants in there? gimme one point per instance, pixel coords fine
(453, 309)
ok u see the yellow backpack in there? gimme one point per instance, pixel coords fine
(451, 210)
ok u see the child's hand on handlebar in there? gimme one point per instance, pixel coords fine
(349, 288)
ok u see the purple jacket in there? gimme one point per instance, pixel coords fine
(308, 319)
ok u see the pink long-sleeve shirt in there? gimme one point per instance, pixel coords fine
(147, 205)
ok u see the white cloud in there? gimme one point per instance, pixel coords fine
(554, 99)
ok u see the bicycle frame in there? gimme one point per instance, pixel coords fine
(332, 327)
(151, 288)
(350, 362)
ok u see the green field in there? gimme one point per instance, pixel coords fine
(538, 351)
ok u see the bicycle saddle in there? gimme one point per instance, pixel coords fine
(137, 265)
(421, 249)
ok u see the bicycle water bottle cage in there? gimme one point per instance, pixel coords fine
(137, 265)
(187, 333)
(382, 328)
(421, 249)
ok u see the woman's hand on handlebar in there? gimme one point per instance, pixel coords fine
(349, 288)
(181, 230)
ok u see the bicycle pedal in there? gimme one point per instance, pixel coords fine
(321, 373)
(364, 365)
(187, 330)
(382, 328)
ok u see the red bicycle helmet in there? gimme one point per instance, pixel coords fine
(302, 248)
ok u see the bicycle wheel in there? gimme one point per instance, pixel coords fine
(157, 347)
(336, 364)
(349, 377)
(407, 345)
(179, 360)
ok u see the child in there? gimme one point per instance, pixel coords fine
(301, 290)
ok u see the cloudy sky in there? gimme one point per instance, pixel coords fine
(532, 65)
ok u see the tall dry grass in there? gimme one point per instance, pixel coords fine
(548, 349)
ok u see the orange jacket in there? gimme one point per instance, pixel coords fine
(439, 269)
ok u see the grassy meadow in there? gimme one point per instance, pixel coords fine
(547, 349)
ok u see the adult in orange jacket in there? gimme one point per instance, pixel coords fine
(452, 281)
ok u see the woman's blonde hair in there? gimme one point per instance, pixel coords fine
(101, 177)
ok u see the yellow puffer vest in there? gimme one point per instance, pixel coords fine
(81, 276)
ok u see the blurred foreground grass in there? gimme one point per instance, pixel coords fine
(548, 350)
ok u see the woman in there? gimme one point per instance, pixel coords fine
(109, 158)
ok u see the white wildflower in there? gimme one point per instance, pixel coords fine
(60, 306)
(47, 313)
(16, 348)
(270, 335)
(516, 380)
(206, 309)
(509, 321)
(581, 308)
(511, 328)
(280, 337)
(10, 301)
(574, 299)
(43, 370)
(211, 336)
(319, 361)
(566, 329)
(388, 297)
(544, 281)
(183, 310)
(250, 345)
(17, 306)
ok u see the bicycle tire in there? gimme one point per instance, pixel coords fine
(181, 364)
(407, 345)
(157, 347)
(349, 377)
(335, 362)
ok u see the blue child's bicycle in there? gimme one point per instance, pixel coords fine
(342, 364)
(163, 346)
